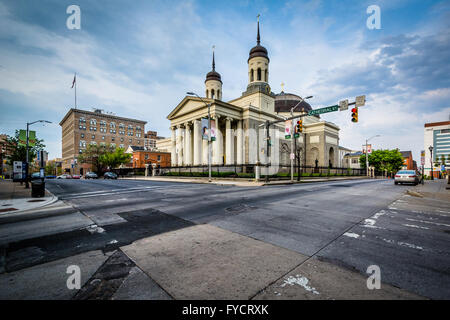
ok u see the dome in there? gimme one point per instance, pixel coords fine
(258, 51)
(285, 101)
(213, 75)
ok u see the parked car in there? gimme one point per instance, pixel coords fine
(91, 175)
(407, 176)
(75, 176)
(110, 175)
(64, 176)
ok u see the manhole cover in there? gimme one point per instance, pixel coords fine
(36, 200)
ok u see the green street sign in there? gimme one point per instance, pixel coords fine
(323, 110)
(287, 136)
(296, 135)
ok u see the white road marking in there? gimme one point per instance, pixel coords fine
(429, 222)
(414, 226)
(301, 281)
(351, 235)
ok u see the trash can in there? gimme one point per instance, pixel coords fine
(37, 188)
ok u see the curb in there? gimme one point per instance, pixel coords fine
(32, 214)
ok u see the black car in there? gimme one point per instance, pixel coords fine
(110, 175)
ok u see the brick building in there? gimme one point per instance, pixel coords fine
(408, 162)
(81, 128)
(141, 157)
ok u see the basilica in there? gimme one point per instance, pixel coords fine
(239, 136)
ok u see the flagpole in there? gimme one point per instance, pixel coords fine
(75, 90)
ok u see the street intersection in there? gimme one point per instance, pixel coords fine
(143, 239)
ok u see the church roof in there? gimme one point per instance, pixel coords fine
(285, 101)
(258, 50)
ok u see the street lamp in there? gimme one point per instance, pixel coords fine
(26, 169)
(292, 136)
(209, 132)
(367, 154)
(431, 161)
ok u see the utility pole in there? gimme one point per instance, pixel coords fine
(431, 161)
(367, 154)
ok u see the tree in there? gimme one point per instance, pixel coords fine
(101, 157)
(19, 152)
(442, 159)
(390, 160)
(115, 158)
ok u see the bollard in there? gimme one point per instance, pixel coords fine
(257, 171)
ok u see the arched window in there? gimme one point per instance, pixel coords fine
(212, 93)
(218, 94)
(265, 76)
(207, 93)
(251, 76)
(259, 74)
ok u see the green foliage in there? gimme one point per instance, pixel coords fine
(19, 153)
(390, 160)
(101, 157)
(115, 158)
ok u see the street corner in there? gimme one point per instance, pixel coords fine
(206, 262)
(320, 280)
(56, 280)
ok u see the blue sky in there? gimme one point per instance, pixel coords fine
(137, 59)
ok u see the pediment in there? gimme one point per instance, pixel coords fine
(187, 105)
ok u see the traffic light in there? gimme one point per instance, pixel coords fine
(355, 114)
(299, 126)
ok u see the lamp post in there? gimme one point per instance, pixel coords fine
(26, 169)
(367, 154)
(431, 161)
(209, 132)
(293, 138)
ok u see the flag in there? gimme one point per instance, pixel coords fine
(74, 80)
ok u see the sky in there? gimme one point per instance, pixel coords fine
(138, 59)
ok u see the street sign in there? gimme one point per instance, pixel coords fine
(323, 110)
(360, 101)
(369, 148)
(343, 105)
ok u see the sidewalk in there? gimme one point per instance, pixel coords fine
(434, 189)
(241, 182)
(15, 198)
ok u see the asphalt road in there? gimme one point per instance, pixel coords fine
(352, 224)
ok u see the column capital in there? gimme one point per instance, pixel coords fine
(179, 126)
(229, 119)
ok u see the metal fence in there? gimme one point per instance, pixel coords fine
(273, 172)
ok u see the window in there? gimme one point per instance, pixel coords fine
(130, 140)
(259, 74)
(112, 138)
(252, 78)
(113, 145)
(159, 157)
(146, 156)
(218, 94)
(121, 146)
(93, 143)
(103, 137)
(82, 135)
(212, 93)
(139, 142)
(265, 76)
(121, 139)
(207, 93)
(355, 161)
(82, 143)
(93, 122)
(112, 125)
(93, 136)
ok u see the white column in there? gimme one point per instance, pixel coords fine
(239, 143)
(229, 145)
(218, 144)
(204, 151)
(180, 136)
(197, 143)
(187, 144)
(173, 155)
